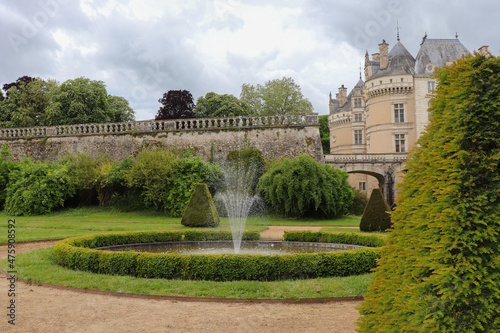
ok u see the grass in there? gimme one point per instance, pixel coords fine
(92, 220)
(38, 266)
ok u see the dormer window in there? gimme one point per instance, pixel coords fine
(358, 103)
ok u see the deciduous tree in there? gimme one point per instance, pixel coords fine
(177, 104)
(215, 105)
(278, 96)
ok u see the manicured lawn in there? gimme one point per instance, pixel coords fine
(92, 220)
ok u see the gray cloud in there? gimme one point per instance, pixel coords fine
(193, 46)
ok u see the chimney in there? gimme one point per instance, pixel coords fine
(483, 50)
(384, 54)
(342, 95)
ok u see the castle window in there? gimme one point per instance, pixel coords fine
(399, 143)
(358, 137)
(399, 113)
(402, 80)
(358, 117)
(431, 85)
(362, 186)
(391, 80)
(380, 81)
(357, 103)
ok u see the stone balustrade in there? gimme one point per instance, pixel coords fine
(365, 158)
(199, 124)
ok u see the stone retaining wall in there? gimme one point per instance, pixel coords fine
(275, 136)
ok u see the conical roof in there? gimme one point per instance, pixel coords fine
(400, 62)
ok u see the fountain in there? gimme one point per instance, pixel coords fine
(237, 194)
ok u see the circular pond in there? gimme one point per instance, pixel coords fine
(224, 247)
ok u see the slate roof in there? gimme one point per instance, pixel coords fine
(400, 62)
(438, 52)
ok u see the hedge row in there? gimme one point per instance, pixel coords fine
(76, 253)
(339, 238)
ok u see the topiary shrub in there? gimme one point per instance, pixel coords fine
(200, 211)
(376, 216)
(440, 269)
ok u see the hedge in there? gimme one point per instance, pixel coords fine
(339, 238)
(76, 253)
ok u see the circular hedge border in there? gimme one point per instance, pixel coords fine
(80, 253)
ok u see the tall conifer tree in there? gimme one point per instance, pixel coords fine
(440, 270)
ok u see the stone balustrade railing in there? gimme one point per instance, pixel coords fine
(200, 124)
(365, 158)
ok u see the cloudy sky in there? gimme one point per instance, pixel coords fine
(143, 48)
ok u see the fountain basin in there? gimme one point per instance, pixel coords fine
(226, 247)
(81, 253)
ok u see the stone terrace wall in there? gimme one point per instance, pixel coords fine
(275, 136)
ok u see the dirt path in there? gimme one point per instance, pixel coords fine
(48, 309)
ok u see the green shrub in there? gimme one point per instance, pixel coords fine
(151, 173)
(338, 238)
(440, 269)
(38, 188)
(84, 171)
(76, 253)
(303, 186)
(186, 173)
(376, 216)
(217, 235)
(359, 202)
(200, 211)
(6, 167)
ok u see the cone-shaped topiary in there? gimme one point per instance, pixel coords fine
(200, 211)
(376, 216)
(440, 269)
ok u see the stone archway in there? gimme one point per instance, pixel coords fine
(383, 167)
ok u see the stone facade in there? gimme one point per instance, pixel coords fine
(278, 136)
(386, 113)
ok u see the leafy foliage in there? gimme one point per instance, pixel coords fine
(214, 105)
(177, 104)
(359, 202)
(440, 270)
(38, 188)
(324, 132)
(187, 173)
(120, 109)
(278, 96)
(84, 171)
(303, 186)
(79, 101)
(6, 167)
(26, 103)
(339, 238)
(151, 173)
(200, 211)
(376, 216)
(34, 102)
